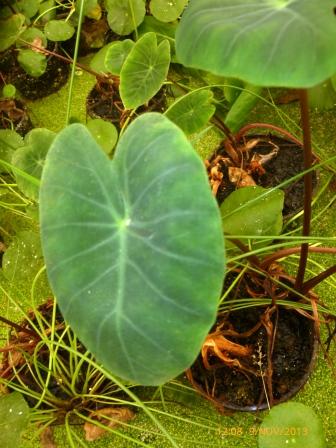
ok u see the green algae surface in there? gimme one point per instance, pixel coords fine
(189, 419)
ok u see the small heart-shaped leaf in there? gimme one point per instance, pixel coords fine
(144, 71)
(124, 16)
(97, 63)
(133, 247)
(116, 55)
(192, 111)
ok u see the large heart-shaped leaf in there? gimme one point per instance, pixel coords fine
(144, 70)
(133, 246)
(268, 43)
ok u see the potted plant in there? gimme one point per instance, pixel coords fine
(138, 253)
(257, 44)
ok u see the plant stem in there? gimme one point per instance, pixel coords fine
(18, 327)
(311, 283)
(253, 259)
(241, 133)
(308, 187)
(294, 250)
(68, 60)
(217, 121)
(73, 68)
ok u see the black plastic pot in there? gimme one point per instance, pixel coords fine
(230, 388)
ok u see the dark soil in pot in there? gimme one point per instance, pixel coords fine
(32, 88)
(272, 355)
(287, 163)
(104, 102)
(14, 115)
(292, 361)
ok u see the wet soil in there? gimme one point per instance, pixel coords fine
(32, 88)
(14, 115)
(104, 102)
(287, 163)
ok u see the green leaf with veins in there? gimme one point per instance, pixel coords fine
(162, 31)
(124, 16)
(192, 111)
(97, 63)
(144, 71)
(30, 158)
(133, 247)
(167, 10)
(117, 54)
(266, 42)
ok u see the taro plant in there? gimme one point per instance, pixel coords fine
(258, 44)
(133, 247)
